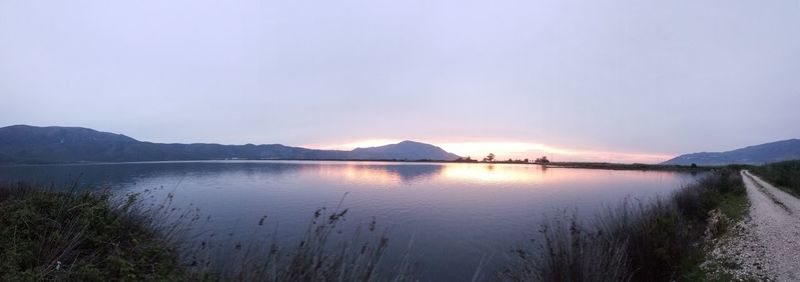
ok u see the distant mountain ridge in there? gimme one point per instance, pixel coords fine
(24, 144)
(759, 154)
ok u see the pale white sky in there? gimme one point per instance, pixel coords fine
(628, 77)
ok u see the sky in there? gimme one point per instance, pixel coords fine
(632, 81)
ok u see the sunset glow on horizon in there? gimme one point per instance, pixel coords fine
(504, 150)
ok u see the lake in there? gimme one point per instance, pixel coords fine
(446, 217)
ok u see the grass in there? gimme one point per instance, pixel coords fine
(734, 206)
(92, 236)
(659, 241)
(784, 175)
(78, 236)
(317, 258)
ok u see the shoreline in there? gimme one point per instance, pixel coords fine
(575, 165)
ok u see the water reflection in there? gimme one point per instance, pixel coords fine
(454, 213)
(115, 174)
(381, 173)
(374, 173)
(489, 173)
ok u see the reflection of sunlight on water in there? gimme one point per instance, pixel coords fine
(492, 173)
(372, 175)
(394, 174)
(361, 173)
(439, 207)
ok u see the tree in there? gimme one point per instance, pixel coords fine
(489, 158)
(465, 160)
(542, 160)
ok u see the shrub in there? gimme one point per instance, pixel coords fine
(94, 236)
(47, 235)
(785, 175)
(639, 242)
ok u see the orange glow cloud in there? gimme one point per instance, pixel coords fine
(521, 150)
(358, 144)
(507, 149)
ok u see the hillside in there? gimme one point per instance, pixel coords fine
(22, 144)
(404, 150)
(755, 155)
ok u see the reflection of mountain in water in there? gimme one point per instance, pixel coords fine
(111, 175)
(408, 173)
(114, 175)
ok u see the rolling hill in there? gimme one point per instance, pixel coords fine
(23, 144)
(755, 155)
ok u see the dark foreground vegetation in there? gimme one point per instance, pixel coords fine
(784, 175)
(79, 237)
(94, 236)
(659, 241)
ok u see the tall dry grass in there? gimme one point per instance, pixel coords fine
(633, 242)
(83, 235)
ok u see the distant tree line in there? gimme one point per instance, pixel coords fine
(491, 158)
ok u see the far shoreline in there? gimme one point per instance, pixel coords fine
(575, 165)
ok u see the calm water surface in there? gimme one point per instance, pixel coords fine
(451, 215)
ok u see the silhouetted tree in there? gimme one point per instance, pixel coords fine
(489, 158)
(542, 160)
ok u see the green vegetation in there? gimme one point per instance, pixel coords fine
(639, 242)
(83, 236)
(92, 236)
(784, 175)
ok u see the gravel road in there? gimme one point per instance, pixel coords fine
(766, 246)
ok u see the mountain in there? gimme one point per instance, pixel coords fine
(36, 145)
(756, 155)
(405, 150)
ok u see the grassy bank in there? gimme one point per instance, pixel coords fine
(660, 241)
(92, 236)
(74, 236)
(784, 175)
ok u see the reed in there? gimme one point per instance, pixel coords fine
(83, 235)
(634, 241)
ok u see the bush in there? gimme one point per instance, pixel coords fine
(785, 175)
(92, 236)
(642, 242)
(47, 235)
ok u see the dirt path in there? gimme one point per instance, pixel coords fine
(766, 246)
